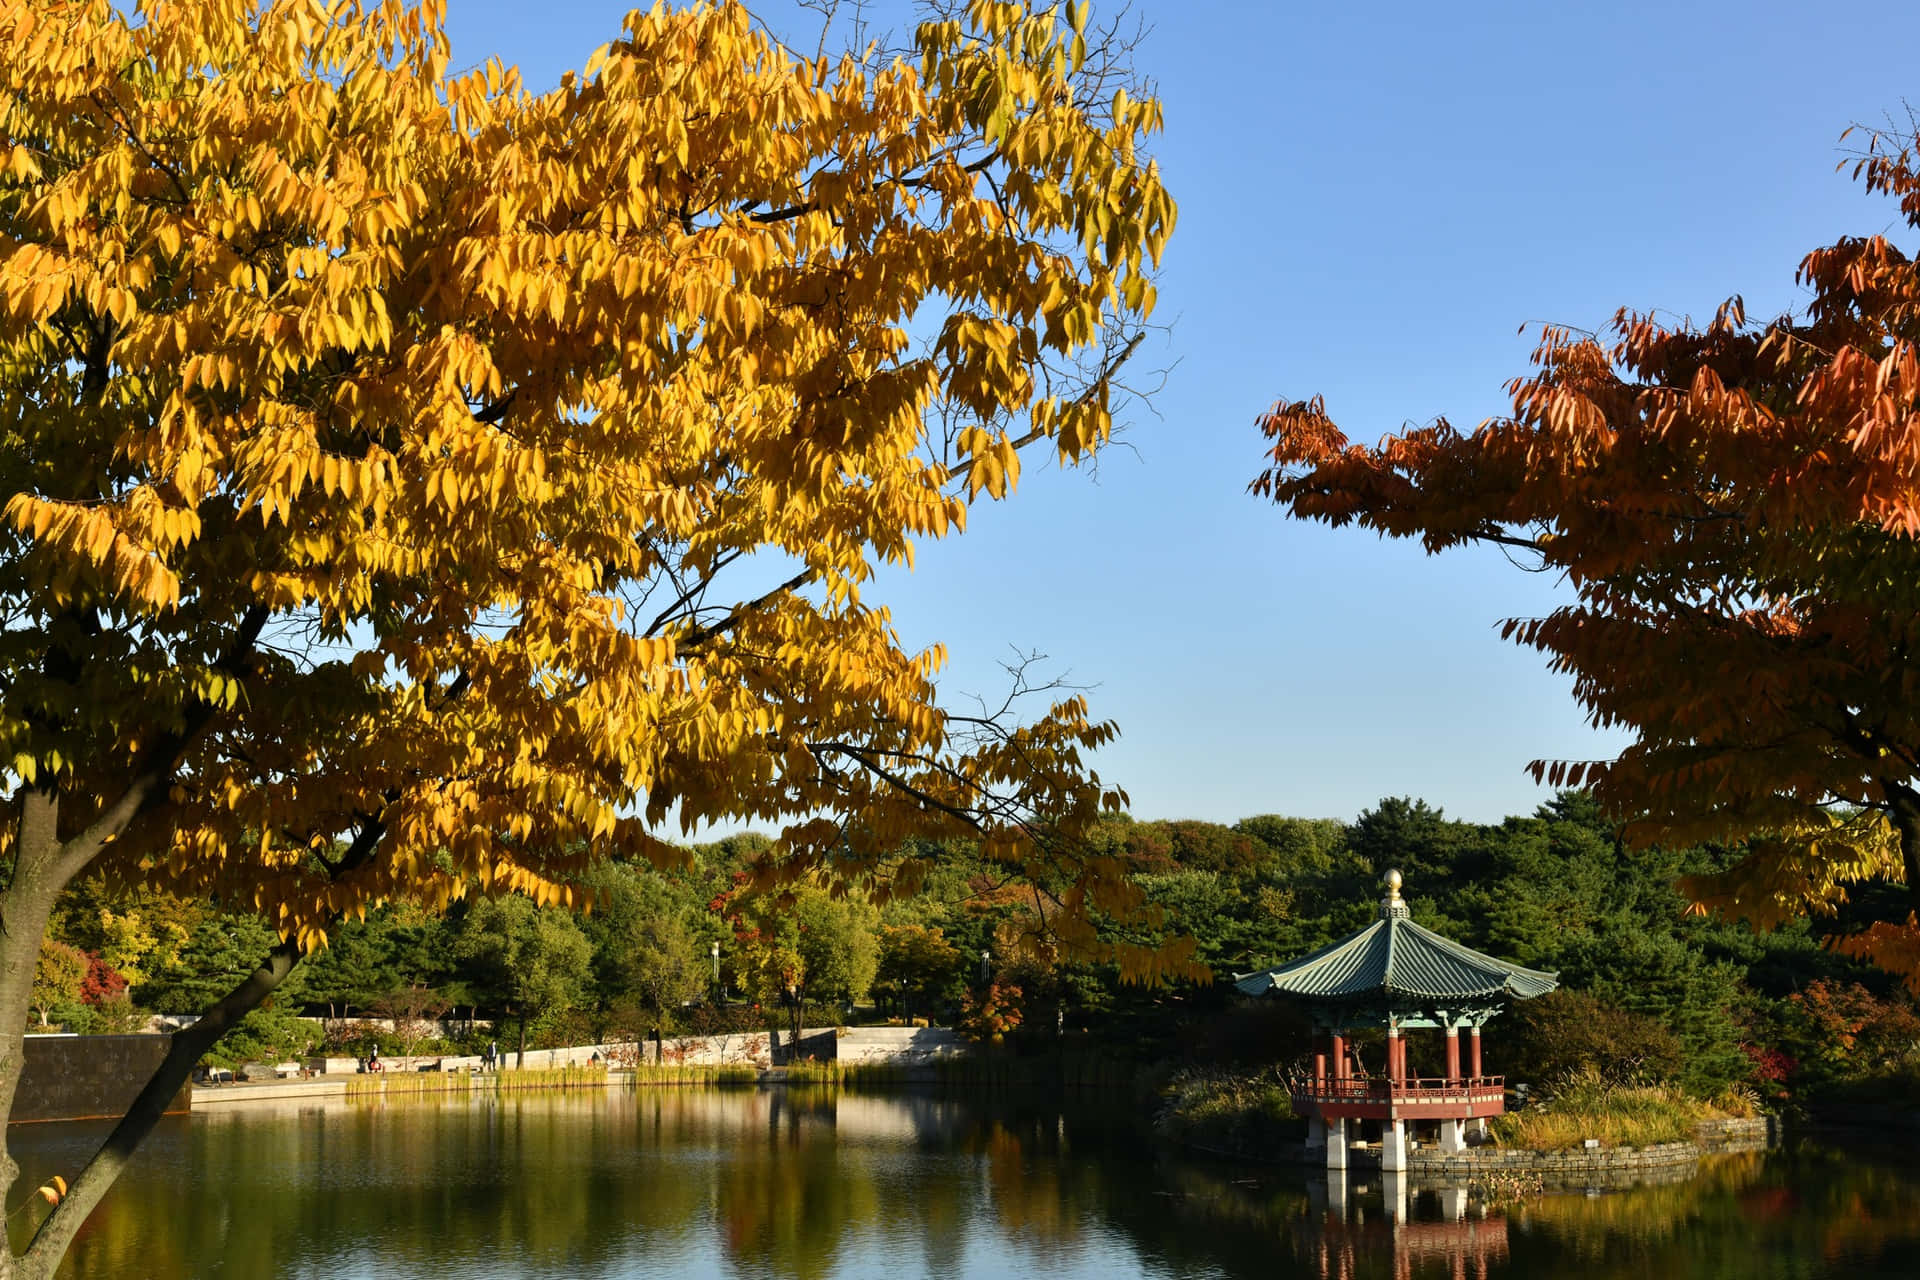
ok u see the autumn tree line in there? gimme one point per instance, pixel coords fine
(1651, 992)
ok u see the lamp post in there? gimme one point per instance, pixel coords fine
(716, 972)
(985, 957)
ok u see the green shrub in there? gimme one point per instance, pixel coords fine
(1566, 1032)
(1236, 1114)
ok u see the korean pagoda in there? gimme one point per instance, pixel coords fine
(1396, 975)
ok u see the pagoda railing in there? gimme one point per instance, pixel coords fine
(1381, 1088)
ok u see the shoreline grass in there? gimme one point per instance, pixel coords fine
(856, 1075)
(1585, 1106)
(728, 1075)
(398, 1083)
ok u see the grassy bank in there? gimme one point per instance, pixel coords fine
(1584, 1105)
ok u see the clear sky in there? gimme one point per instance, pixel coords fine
(1373, 198)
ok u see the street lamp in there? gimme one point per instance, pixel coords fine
(716, 971)
(985, 956)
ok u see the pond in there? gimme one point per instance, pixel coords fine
(805, 1183)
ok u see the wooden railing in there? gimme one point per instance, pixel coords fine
(1380, 1088)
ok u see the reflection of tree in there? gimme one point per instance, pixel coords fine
(792, 1209)
(1804, 1208)
(802, 1184)
(1031, 1200)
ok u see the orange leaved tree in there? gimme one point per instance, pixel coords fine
(415, 484)
(1735, 507)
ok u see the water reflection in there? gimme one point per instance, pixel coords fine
(1443, 1230)
(804, 1184)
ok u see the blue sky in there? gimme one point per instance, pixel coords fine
(1372, 200)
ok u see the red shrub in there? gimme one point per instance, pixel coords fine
(102, 983)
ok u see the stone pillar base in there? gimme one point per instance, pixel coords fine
(1316, 1135)
(1336, 1144)
(1393, 1145)
(1453, 1137)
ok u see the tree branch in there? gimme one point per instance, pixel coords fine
(1106, 377)
(151, 783)
(700, 635)
(689, 593)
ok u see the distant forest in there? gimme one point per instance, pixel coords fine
(1649, 992)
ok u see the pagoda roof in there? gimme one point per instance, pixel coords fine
(1395, 958)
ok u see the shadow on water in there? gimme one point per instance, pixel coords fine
(803, 1183)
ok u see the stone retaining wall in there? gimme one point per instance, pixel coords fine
(899, 1046)
(1506, 1160)
(1760, 1131)
(740, 1049)
(905, 1046)
(65, 1077)
(1714, 1135)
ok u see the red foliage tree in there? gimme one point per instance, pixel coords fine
(102, 983)
(1735, 507)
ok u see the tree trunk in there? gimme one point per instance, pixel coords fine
(188, 1046)
(24, 909)
(520, 1062)
(43, 865)
(1904, 810)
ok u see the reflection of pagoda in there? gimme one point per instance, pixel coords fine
(1465, 1246)
(1397, 975)
(1350, 1240)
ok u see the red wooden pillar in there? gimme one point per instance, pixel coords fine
(1473, 1046)
(1453, 1053)
(1339, 1056)
(1319, 1059)
(1396, 1056)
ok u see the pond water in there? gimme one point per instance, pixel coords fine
(803, 1183)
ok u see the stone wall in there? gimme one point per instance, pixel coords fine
(908, 1046)
(1758, 1131)
(1714, 1135)
(905, 1046)
(87, 1077)
(899, 1046)
(1505, 1160)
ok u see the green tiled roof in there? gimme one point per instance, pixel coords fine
(1393, 956)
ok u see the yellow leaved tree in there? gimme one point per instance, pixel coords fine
(414, 483)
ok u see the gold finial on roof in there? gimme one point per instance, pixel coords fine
(1393, 906)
